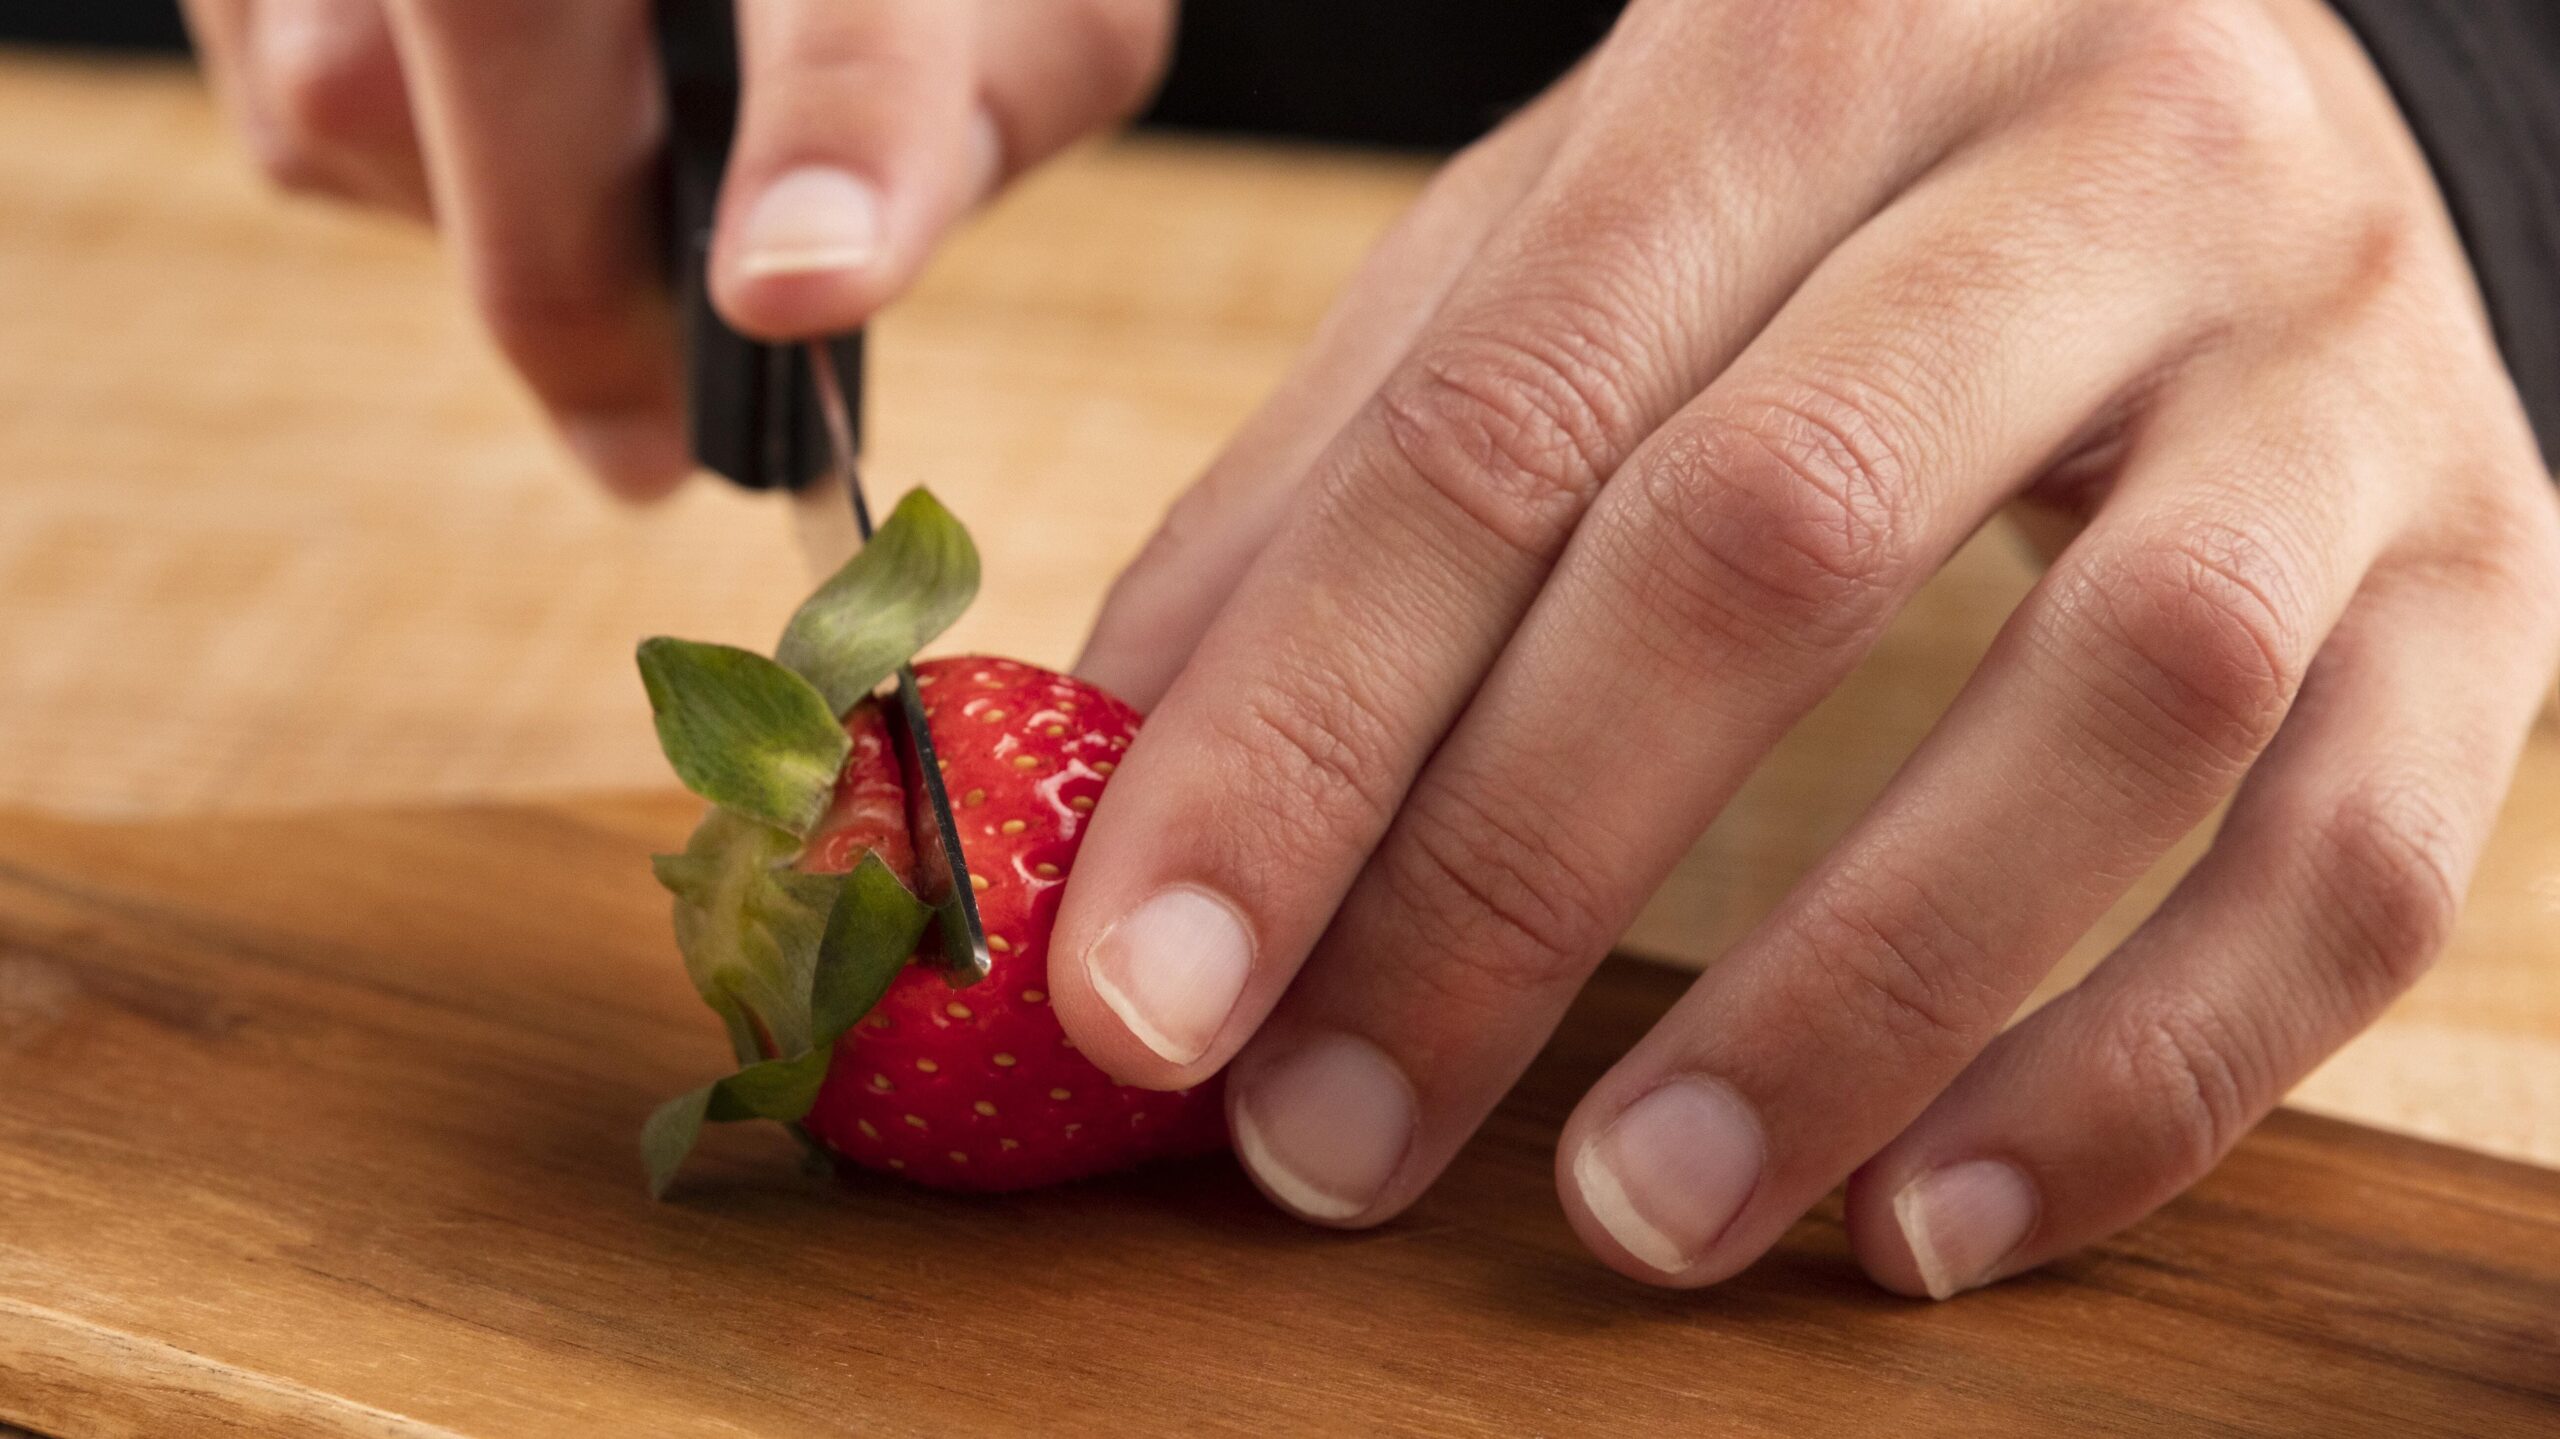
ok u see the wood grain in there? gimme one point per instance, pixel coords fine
(323, 1125)
(279, 533)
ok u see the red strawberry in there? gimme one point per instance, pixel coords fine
(795, 903)
(978, 1088)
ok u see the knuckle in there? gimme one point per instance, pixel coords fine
(1893, 960)
(2390, 254)
(2190, 1077)
(1793, 525)
(2216, 83)
(1507, 910)
(2374, 265)
(2391, 856)
(1512, 433)
(2202, 637)
(1308, 737)
(2221, 62)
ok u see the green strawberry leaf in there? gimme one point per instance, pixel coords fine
(780, 1089)
(743, 732)
(903, 588)
(871, 934)
(669, 1135)
(751, 929)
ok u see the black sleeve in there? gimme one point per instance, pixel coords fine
(2479, 81)
(1422, 74)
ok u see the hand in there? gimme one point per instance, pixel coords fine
(530, 132)
(1618, 456)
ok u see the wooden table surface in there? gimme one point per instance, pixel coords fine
(278, 537)
(324, 1125)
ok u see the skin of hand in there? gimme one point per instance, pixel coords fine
(529, 133)
(1622, 450)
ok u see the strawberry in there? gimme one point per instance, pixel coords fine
(979, 1088)
(796, 908)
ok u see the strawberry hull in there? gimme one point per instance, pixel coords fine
(978, 1087)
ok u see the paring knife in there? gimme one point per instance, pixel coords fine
(788, 418)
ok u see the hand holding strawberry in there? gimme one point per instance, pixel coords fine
(795, 906)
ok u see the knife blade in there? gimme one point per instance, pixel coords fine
(942, 866)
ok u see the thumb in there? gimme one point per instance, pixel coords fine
(860, 141)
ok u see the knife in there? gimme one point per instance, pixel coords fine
(788, 418)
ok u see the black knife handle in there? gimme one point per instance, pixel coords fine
(750, 413)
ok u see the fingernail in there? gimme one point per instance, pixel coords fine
(1671, 1173)
(1172, 968)
(1325, 1128)
(1963, 1220)
(639, 454)
(813, 218)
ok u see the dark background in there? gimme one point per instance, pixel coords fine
(1425, 74)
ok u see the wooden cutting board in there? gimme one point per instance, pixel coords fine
(324, 1125)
